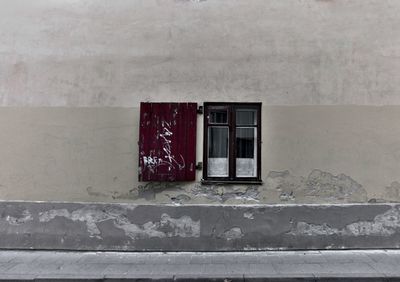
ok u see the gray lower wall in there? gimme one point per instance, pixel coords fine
(77, 226)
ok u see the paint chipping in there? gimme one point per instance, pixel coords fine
(165, 227)
(24, 218)
(233, 233)
(384, 224)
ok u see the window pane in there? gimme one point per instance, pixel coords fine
(246, 148)
(246, 117)
(219, 116)
(218, 139)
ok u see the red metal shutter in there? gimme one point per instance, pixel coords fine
(167, 141)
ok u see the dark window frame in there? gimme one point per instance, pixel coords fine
(231, 108)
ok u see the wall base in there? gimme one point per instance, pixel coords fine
(83, 226)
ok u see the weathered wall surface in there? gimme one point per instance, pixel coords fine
(197, 228)
(310, 154)
(72, 74)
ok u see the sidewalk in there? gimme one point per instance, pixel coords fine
(374, 265)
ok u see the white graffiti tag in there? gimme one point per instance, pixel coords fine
(169, 160)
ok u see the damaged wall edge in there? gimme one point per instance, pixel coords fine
(127, 227)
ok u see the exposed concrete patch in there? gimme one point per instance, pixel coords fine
(384, 224)
(225, 193)
(319, 185)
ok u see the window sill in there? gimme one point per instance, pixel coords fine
(221, 182)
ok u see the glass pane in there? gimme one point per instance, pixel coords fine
(218, 141)
(219, 116)
(246, 117)
(246, 148)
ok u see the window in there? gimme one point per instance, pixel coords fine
(232, 142)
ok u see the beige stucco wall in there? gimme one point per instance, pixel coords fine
(91, 154)
(119, 52)
(72, 74)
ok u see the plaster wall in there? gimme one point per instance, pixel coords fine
(310, 154)
(118, 53)
(128, 227)
(72, 74)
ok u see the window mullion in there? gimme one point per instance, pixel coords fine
(232, 144)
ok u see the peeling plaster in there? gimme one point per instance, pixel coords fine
(165, 227)
(225, 193)
(180, 199)
(87, 215)
(280, 186)
(319, 185)
(25, 217)
(384, 224)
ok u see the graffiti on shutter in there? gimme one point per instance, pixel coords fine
(167, 141)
